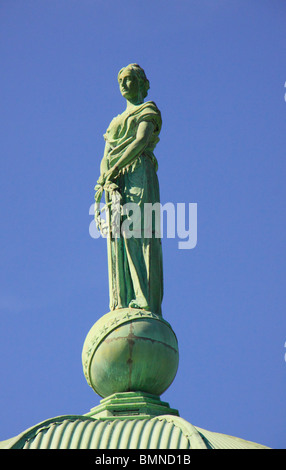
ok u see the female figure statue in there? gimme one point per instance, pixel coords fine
(129, 168)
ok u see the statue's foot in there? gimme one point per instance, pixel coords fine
(135, 304)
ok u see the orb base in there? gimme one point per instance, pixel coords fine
(131, 404)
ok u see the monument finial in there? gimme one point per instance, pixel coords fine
(131, 348)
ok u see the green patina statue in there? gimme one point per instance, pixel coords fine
(132, 348)
(128, 172)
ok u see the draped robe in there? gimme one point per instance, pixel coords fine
(135, 263)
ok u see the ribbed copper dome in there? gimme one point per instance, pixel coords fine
(161, 432)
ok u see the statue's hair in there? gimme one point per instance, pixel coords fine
(140, 74)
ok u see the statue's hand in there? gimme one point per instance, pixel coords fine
(101, 180)
(111, 174)
(105, 182)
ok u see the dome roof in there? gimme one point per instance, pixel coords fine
(159, 432)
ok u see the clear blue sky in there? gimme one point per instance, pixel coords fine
(217, 72)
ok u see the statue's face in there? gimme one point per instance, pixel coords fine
(129, 85)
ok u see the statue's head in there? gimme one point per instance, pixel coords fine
(132, 80)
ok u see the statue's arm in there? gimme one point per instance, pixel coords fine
(143, 135)
(104, 164)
